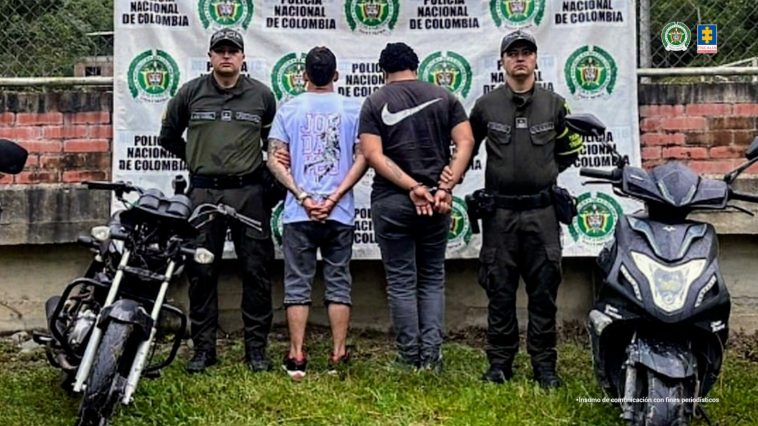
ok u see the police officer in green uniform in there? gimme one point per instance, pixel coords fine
(528, 145)
(228, 117)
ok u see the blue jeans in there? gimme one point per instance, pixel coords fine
(413, 252)
(299, 244)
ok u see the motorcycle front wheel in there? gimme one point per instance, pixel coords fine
(106, 381)
(665, 400)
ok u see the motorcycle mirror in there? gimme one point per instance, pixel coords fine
(585, 124)
(12, 157)
(752, 150)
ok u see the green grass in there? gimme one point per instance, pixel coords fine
(371, 392)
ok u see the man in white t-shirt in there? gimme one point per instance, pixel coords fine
(318, 130)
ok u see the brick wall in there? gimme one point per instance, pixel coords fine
(68, 135)
(707, 126)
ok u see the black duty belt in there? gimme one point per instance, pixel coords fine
(224, 182)
(539, 200)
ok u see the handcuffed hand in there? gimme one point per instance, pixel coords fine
(423, 200)
(443, 201)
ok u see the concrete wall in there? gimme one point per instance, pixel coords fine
(32, 273)
(69, 136)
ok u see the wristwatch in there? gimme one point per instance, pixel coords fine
(301, 197)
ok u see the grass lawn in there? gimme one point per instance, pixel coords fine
(371, 392)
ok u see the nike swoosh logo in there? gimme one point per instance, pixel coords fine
(392, 118)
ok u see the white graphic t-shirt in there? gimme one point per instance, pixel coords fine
(321, 130)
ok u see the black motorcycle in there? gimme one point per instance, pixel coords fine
(660, 320)
(103, 327)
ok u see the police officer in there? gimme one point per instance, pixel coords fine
(528, 145)
(228, 116)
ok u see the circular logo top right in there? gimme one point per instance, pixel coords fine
(676, 37)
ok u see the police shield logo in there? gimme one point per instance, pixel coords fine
(277, 226)
(225, 13)
(153, 76)
(675, 37)
(590, 72)
(517, 13)
(459, 234)
(287, 76)
(449, 70)
(372, 16)
(597, 215)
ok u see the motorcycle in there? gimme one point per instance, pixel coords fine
(660, 319)
(102, 329)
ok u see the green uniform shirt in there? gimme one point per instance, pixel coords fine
(226, 127)
(528, 143)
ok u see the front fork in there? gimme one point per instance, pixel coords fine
(144, 348)
(630, 383)
(97, 333)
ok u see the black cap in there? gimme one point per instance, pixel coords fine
(320, 64)
(517, 36)
(227, 36)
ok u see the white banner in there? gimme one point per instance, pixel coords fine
(587, 53)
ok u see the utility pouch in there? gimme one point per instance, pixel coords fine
(565, 205)
(479, 204)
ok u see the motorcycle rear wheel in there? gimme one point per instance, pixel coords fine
(104, 385)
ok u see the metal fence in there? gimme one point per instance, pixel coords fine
(52, 38)
(44, 38)
(736, 37)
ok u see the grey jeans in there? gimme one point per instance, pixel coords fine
(299, 244)
(413, 251)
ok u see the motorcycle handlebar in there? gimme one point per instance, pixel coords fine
(613, 175)
(110, 186)
(208, 209)
(735, 195)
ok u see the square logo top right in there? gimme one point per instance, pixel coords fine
(707, 38)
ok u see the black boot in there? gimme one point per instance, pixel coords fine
(201, 360)
(547, 377)
(498, 373)
(256, 360)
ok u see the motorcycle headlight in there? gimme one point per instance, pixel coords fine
(203, 256)
(668, 284)
(101, 233)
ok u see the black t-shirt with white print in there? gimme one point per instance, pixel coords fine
(414, 119)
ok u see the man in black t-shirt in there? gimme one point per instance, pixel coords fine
(405, 131)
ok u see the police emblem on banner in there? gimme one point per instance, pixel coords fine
(459, 234)
(449, 70)
(372, 16)
(225, 13)
(287, 76)
(153, 76)
(707, 38)
(597, 215)
(517, 13)
(277, 226)
(590, 72)
(676, 37)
